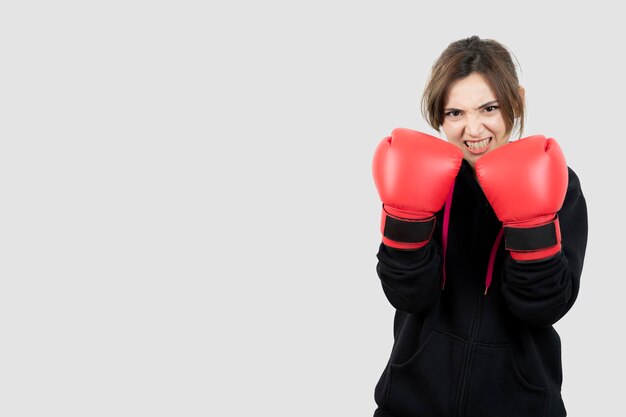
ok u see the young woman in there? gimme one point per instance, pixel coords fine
(483, 242)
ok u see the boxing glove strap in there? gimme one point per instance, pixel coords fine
(408, 231)
(534, 238)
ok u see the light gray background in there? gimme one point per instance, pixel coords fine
(188, 222)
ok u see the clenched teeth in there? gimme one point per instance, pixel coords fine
(479, 144)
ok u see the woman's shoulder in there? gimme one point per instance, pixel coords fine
(574, 195)
(573, 182)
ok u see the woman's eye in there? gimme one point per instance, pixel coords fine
(493, 108)
(453, 113)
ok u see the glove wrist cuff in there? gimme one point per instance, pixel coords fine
(405, 233)
(535, 242)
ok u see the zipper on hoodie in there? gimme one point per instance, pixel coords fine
(468, 359)
(470, 353)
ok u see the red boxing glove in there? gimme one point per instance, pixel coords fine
(413, 173)
(525, 181)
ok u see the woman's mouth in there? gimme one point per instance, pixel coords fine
(479, 146)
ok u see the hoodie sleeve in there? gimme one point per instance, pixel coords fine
(541, 293)
(411, 279)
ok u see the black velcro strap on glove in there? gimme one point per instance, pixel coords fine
(405, 231)
(530, 238)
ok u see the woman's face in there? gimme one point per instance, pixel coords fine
(472, 118)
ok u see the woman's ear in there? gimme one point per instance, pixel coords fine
(522, 93)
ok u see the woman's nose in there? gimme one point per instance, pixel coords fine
(474, 126)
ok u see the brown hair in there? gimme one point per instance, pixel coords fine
(463, 57)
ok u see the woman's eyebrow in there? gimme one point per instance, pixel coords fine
(482, 106)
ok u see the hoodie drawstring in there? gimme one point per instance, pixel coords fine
(492, 259)
(446, 221)
(492, 255)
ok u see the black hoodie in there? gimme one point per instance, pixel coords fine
(460, 352)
